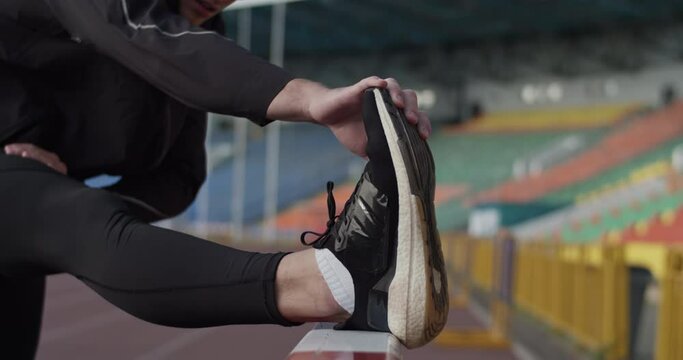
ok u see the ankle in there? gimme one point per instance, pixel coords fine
(328, 306)
(302, 295)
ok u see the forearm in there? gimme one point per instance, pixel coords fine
(293, 102)
(200, 68)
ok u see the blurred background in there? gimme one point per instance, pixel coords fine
(558, 142)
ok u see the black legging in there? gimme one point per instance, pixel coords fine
(50, 224)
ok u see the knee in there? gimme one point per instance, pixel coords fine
(98, 200)
(97, 226)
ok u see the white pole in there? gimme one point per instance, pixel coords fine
(240, 140)
(277, 44)
(245, 4)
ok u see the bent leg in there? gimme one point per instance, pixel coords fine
(55, 224)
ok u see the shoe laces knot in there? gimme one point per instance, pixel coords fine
(332, 218)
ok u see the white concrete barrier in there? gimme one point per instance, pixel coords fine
(325, 343)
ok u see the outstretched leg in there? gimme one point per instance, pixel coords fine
(52, 224)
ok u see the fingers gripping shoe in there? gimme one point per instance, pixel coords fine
(386, 235)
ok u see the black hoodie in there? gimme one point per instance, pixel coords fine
(121, 87)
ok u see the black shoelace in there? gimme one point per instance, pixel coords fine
(332, 218)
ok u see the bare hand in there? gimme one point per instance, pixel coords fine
(36, 153)
(341, 110)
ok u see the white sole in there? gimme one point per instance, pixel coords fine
(410, 301)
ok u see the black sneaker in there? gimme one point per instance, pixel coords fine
(386, 234)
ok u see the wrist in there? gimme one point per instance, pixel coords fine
(294, 101)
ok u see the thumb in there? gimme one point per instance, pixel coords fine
(372, 81)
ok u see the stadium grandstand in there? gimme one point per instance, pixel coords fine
(558, 147)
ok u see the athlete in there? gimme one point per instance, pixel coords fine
(122, 87)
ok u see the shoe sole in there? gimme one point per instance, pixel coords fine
(417, 305)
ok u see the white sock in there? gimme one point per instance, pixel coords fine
(337, 277)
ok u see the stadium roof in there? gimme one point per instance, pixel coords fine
(344, 26)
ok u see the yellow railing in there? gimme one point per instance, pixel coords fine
(473, 261)
(670, 322)
(581, 290)
(482, 264)
(457, 256)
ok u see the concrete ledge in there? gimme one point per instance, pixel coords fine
(325, 343)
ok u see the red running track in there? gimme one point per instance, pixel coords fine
(78, 324)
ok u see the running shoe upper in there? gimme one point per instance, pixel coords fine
(362, 238)
(386, 235)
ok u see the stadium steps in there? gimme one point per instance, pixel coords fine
(663, 226)
(551, 119)
(569, 218)
(325, 159)
(640, 168)
(599, 192)
(612, 223)
(654, 169)
(480, 161)
(617, 148)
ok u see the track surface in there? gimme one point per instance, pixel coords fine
(78, 324)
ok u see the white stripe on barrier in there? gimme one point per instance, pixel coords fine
(323, 342)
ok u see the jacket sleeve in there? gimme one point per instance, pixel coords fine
(200, 68)
(171, 188)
